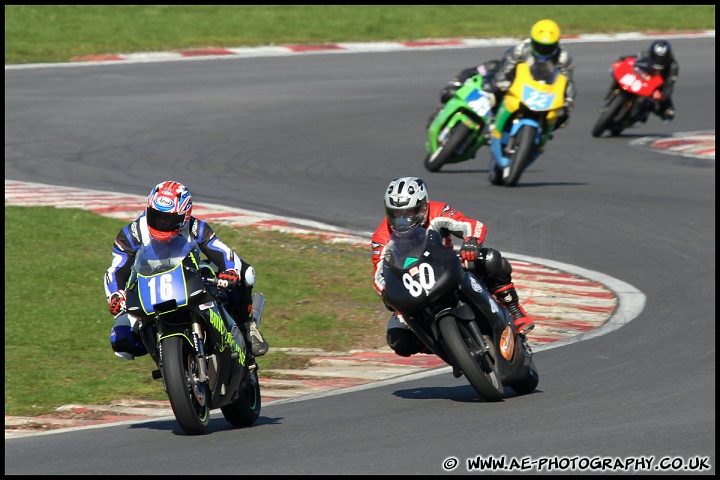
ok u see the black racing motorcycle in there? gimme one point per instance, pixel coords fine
(201, 354)
(455, 315)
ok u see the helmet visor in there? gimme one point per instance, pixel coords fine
(658, 63)
(543, 50)
(401, 219)
(164, 222)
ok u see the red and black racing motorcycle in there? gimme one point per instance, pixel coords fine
(636, 86)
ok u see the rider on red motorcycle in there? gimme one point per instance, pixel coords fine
(659, 58)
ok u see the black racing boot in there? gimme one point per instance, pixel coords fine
(668, 115)
(508, 296)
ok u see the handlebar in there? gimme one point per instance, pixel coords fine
(222, 284)
(212, 281)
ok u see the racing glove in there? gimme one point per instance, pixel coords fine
(228, 278)
(470, 251)
(116, 303)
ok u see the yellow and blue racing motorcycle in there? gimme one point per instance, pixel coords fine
(525, 120)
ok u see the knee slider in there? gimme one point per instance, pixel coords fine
(124, 339)
(248, 274)
(497, 270)
(404, 342)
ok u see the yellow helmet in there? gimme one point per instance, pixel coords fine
(544, 38)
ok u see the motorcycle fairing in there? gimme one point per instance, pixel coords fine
(163, 292)
(411, 283)
(635, 78)
(534, 98)
(479, 101)
(469, 98)
(228, 340)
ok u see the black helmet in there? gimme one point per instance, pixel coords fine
(660, 55)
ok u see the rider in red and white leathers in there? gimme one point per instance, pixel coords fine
(407, 205)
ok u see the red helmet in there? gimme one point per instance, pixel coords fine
(168, 210)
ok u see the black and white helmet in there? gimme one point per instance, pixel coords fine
(406, 203)
(660, 55)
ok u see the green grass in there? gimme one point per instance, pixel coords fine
(57, 325)
(58, 33)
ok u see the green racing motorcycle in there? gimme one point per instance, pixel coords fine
(458, 130)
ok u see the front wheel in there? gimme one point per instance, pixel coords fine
(445, 152)
(246, 409)
(475, 361)
(607, 117)
(189, 399)
(520, 158)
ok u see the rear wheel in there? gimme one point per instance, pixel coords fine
(246, 409)
(445, 152)
(608, 117)
(189, 399)
(475, 362)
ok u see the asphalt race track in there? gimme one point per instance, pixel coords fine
(318, 137)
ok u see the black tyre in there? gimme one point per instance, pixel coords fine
(520, 157)
(529, 383)
(246, 409)
(608, 117)
(189, 399)
(445, 152)
(467, 354)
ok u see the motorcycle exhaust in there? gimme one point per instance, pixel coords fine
(258, 303)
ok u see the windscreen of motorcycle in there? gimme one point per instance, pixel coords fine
(157, 257)
(405, 248)
(419, 269)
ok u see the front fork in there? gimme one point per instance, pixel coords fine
(197, 338)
